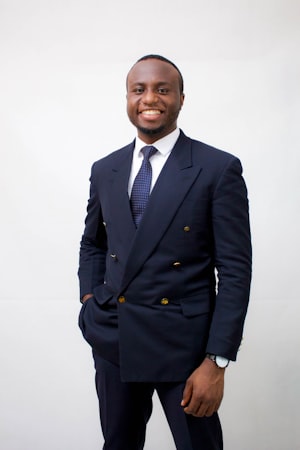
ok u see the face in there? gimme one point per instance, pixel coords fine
(153, 99)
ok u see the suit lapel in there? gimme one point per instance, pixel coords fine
(121, 215)
(175, 180)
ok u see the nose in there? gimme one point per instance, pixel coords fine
(149, 97)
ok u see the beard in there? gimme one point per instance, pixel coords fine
(151, 132)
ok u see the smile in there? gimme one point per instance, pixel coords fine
(150, 112)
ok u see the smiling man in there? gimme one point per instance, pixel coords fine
(154, 98)
(165, 214)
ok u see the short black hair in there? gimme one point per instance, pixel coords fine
(162, 58)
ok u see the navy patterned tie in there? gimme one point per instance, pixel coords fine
(141, 185)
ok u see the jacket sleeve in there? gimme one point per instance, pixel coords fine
(93, 245)
(233, 257)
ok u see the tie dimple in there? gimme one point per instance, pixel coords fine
(141, 185)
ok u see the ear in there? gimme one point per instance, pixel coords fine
(182, 97)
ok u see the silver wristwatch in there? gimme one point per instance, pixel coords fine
(220, 361)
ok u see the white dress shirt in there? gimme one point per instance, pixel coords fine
(164, 147)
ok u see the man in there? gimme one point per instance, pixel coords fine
(161, 222)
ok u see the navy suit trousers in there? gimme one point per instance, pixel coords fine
(125, 409)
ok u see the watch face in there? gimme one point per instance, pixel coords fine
(222, 362)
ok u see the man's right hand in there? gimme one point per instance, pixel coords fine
(86, 297)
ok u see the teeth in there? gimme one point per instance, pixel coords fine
(151, 112)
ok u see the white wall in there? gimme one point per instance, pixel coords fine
(62, 105)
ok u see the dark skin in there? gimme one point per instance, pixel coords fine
(154, 100)
(204, 389)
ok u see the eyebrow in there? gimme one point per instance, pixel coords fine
(135, 83)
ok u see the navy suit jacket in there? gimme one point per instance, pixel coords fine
(157, 309)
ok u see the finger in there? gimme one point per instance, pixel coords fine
(213, 408)
(201, 408)
(196, 412)
(187, 394)
(191, 406)
(210, 412)
(196, 407)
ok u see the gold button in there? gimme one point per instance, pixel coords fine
(164, 301)
(186, 229)
(121, 299)
(177, 264)
(114, 257)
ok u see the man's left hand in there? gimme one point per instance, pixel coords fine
(203, 392)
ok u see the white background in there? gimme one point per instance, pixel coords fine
(63, 65)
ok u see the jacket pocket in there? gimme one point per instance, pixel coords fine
(102, 294)
(194, 306)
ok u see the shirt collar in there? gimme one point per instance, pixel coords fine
(163, 145)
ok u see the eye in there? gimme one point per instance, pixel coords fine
(138, 90)
(162, 90)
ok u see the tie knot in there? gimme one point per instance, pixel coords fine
(148, 151)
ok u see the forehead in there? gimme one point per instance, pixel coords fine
(152, 71)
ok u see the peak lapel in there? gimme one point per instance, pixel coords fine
(120, 212)
(174, 182)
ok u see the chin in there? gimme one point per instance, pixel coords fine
(151, 131)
